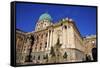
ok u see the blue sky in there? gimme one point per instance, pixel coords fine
(27, 15)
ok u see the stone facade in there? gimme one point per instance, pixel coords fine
(51, 43)
(90, 43)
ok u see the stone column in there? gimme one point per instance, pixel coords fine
(51, 34)
(48, 40)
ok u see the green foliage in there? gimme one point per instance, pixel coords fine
(58, 45)
(52, 51)
(46, 56)
(65, 55)
(55, 52)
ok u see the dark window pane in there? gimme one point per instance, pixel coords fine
(65, 27)
(38, 57)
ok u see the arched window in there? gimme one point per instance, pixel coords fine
(39, 57)
(46, 34)
(42, 36)
(45, 44)
(61, 24)
(40, 47)
(65, 27)
(40, 44)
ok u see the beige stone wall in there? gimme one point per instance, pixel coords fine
(70, 39)
(89, 43)
(20, 40)
(78, 40)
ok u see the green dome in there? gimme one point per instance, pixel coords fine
(45, 16)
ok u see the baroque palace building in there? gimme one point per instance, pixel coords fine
(53, 43)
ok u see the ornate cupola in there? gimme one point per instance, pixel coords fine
(44, 21)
